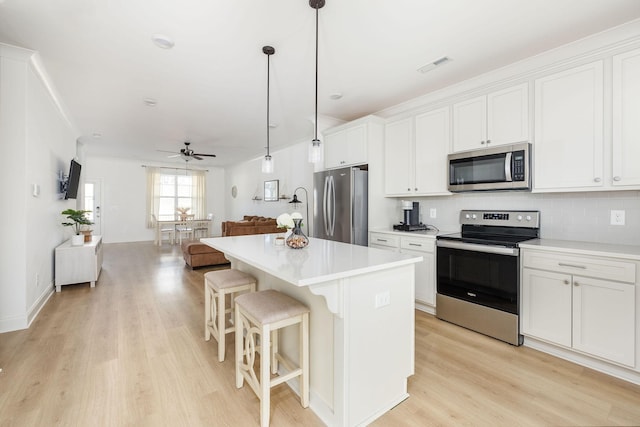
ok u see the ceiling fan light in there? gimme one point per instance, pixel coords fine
(267, 164)
(315, 151)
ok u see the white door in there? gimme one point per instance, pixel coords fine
(93, 203)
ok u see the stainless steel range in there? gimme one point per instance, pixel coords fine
(478, 280)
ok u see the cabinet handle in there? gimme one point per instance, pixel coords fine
(416, 188)
(576, 284)
(597, 179)
(381, 240)
(488, 141)
(481, 142)
(562, 264)
(408, 189)
(565, 281)
(415, 244)
(616, 178)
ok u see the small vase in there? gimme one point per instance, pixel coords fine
(297, 239)
(77, 240)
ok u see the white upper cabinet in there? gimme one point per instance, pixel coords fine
(415, 152)
(626, 120)
(569, 146)
(346, 147)
(501, 117)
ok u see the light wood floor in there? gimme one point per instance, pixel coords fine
(131, 352)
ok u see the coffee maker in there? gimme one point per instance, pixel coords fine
(411, 220)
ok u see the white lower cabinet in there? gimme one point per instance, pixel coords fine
(424, 246)
(78, 264)
(584, 303)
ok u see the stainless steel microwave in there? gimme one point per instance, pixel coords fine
(506, 167)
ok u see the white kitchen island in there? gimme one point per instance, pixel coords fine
(361, 324)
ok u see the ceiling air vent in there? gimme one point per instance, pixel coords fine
(433, 64)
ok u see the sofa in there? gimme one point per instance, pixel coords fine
(197, 254)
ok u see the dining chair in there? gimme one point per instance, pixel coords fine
(163, 230)
(202, 227)
(185, 229)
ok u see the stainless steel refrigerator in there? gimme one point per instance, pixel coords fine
(340, 202)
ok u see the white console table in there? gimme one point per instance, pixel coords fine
(78, 264)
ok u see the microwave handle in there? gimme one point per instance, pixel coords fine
(507, 167)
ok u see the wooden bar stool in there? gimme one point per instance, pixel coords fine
(264, 313)
(217, 285)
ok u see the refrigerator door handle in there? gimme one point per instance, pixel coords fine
(333, 206)
(325, 210)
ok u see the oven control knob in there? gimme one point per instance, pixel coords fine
(474, 216)
(528, 218)
(467, 216)
(519, 217)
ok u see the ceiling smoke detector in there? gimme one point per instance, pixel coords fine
(433, 64)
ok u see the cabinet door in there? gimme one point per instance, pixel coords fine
(356, 145)
(626, 121)
(508, 115)
(425, 285)
(398, 157)
(604, 319)
(470, 124)
(569, 129)
(335, 149)
(432, 143)
(546, 306)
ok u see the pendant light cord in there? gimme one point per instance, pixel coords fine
(268, 80)
(316, 118)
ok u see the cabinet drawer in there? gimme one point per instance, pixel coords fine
(382, 239)
(417, 244)
(603, 268)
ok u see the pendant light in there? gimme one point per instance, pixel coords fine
(267, 162)
(315, 149)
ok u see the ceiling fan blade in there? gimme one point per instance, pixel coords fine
(195, 156)
(205, 155)
(173, 156)
(166, 151)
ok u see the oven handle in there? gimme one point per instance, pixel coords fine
(478, 248)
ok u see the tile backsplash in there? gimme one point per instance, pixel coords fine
(566, 216)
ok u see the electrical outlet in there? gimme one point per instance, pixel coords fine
(382, 299)
(617, 217)
(432, 213)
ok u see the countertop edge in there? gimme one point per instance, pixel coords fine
(575, 247)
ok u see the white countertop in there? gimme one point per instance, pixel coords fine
(422, 233)
(321, 261)
(584, 248)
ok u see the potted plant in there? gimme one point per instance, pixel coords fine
(79, 222)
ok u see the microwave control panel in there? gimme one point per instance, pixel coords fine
(518, 166)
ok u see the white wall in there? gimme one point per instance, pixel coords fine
(38, 143)
(124, 195)
(291, 169)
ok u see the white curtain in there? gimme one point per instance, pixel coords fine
(153, 194)
(198, 195)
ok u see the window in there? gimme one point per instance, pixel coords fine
(170, 192)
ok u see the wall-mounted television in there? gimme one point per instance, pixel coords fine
(73, 180)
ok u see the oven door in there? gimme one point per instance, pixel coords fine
(481, 274)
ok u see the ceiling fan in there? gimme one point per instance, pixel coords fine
(187, 153)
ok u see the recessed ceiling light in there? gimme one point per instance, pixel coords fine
(335, 96)
(162, 41)
(150, 102)
(433, 64)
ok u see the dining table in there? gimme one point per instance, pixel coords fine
(192, 224)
